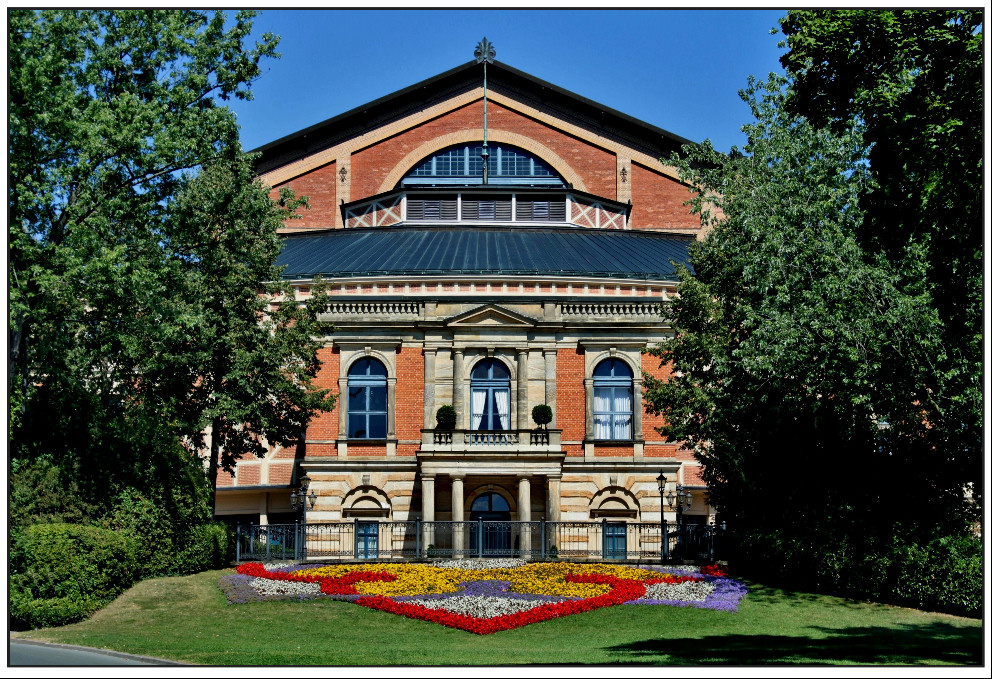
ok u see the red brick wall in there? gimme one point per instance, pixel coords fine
(571, 393)
(280, 474)
(249, 475)
(651, 365)
(320, 186)
(614, 451)
(366, 450)
(324, 427)
(658, 201)
(370, 166)
(409, 397)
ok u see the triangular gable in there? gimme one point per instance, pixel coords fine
(491, 315)
(409, 108)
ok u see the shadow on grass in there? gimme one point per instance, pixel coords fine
(758, 593)
(935, 643)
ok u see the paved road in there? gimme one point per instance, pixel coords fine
(27, 653)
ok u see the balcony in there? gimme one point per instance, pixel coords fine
(506, 441)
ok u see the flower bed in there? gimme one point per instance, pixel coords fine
(483, 596)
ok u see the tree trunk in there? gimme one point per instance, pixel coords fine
(214, 463)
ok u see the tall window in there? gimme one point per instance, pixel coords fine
(367, 398)
(613, 398)
(490, 396)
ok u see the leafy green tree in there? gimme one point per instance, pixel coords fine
(802, 365)
(913, 80)
(138, 245)
(250, 359)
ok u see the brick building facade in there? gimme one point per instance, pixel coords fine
(531, 271)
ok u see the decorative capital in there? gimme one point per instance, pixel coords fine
(484, 51)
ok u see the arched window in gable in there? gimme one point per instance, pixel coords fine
(462, 165)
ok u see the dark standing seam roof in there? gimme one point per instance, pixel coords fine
(486, 250)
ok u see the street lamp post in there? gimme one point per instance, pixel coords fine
(661, 514)
(680, 499)
(299, 499)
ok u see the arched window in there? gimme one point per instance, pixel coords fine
(490, 396)
(462, 165)
(490, 506)
(367, 399)
(613, 398)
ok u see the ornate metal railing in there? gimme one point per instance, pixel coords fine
(532, 540)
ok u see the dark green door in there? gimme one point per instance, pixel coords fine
(615, 541)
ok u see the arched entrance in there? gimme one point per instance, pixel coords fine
(493, 511)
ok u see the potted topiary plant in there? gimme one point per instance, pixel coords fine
(542, 414)
(446, 417)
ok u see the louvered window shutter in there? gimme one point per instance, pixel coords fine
(541, 210)
(415, 208)
(432, 208)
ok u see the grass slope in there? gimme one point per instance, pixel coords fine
(188, 619)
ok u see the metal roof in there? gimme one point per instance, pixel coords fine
(484, 250)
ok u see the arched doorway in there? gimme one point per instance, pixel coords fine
(493, 511)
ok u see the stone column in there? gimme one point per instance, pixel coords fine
(523, 513)
(391, 405)
(458, 514)
(590, 421)
(551, 384)
(342, 417)
(427, 510)
(523, 412)
(638, 435)
(554, 497)
(429, 407)
(458, 387)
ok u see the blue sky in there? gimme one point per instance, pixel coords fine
(677, 69)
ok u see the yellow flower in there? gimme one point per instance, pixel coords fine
(533, 578)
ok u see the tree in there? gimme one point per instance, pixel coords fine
(913, 80)
(252, 343)
(802, 365)
(138, 245)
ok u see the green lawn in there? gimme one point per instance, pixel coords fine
(188, 619)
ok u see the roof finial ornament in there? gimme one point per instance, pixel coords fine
(484, 51)
(485, 54)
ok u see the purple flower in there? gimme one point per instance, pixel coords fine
(725, 597)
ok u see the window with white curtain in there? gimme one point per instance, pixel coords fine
(613, 401)
(490, 396)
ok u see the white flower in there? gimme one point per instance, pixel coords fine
(266, 587)
(480, 606)
(479, 564)
(683, 591)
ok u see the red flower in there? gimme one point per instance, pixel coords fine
(621, 590)
(718, 571)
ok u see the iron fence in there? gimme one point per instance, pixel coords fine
(532, 540)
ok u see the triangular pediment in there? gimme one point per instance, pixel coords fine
(491, 315)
